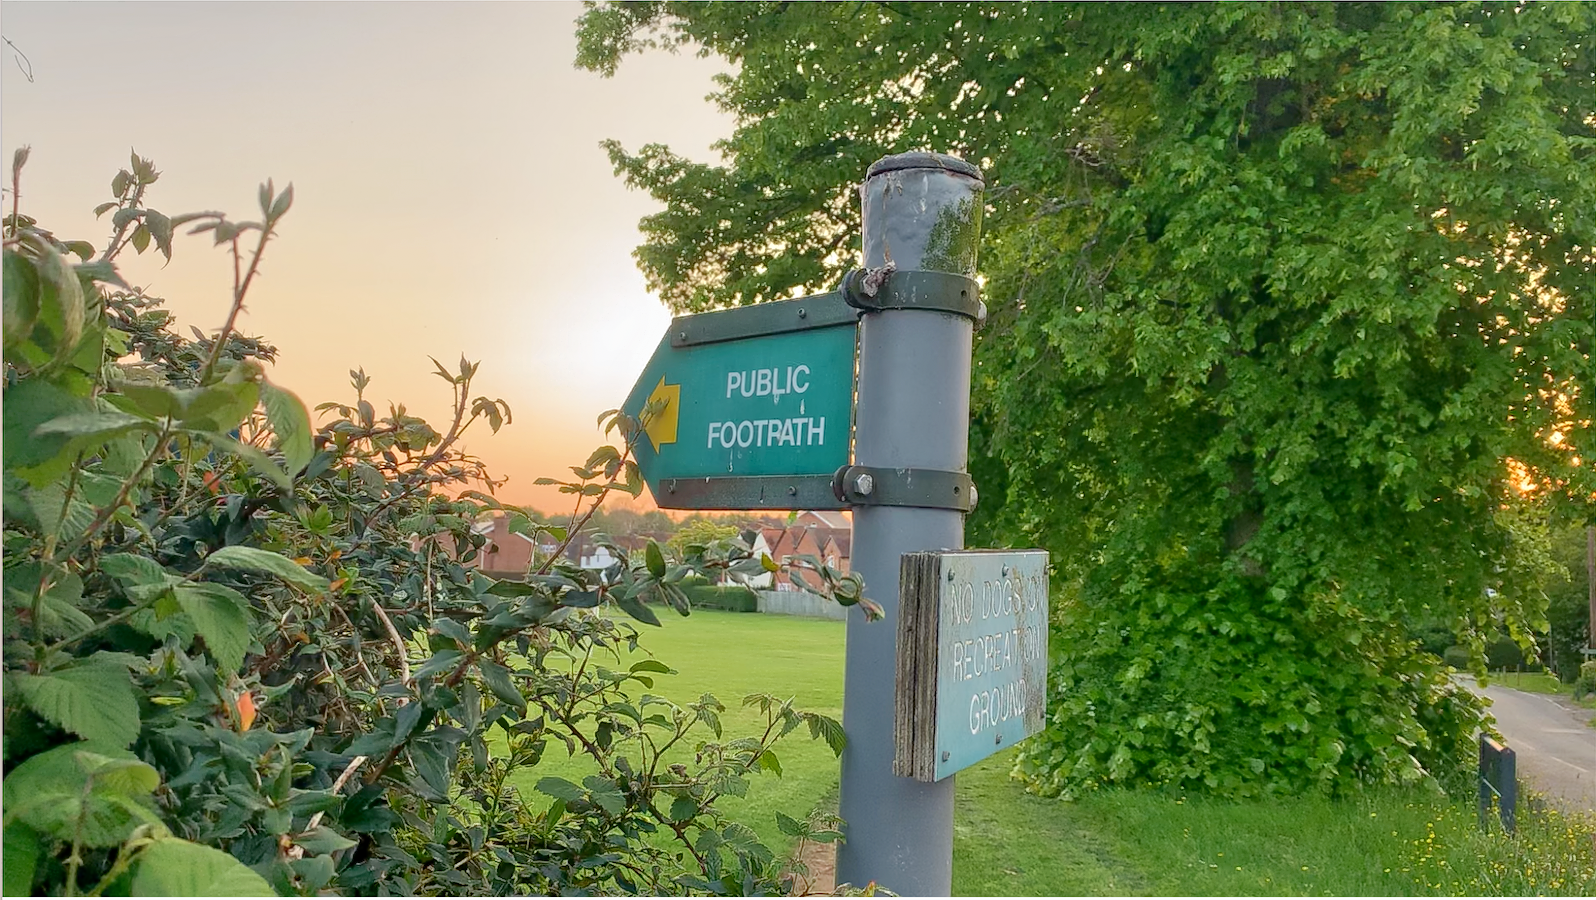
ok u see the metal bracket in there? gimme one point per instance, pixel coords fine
(924, 488)
(779, 317)
(873, 290)
(747, 492)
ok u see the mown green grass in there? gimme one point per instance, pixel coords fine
(1391, 842)
(732, 655)
(1007, 842)
(1529, 682)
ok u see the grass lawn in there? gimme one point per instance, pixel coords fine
(1384, 843)
(732, 655)
(1007, 842)
(1529, 682)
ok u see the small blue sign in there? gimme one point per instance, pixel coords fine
(991, 654)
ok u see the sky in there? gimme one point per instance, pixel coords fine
(450, 194)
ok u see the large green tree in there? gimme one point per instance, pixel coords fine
(1276, 290)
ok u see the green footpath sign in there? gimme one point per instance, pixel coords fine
(757, 413)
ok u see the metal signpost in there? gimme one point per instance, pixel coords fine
(754, 413)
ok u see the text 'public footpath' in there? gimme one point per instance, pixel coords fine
(775, 383)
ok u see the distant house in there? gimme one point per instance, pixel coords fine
(600, 558)
(824, 536)
(832, 520)
(827, 536)
(762, 541)
(507, 553)
(836, 548)
(833, 534)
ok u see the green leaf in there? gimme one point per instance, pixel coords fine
(160, 228)
(119, 775)
(21, 300)
(172, 867)
(314, 871)
(93, 699)
(769, 762)
(101, 271)
(29, 404)
(139, 577)
(601, 456)
(153, 401)
(790, 826)
(322, 839)
(635, 608)
(552, 817)
(442, 661)
(219, 407)
(61, 615)
(604, 793)
(265, 562)
(256, 459)
(307, 803)
(655, 559)
(125, 216)
(291, 423)
(23, 849)
(684, 808)
(60, 302)
(825, 727)
(651, 665)
(560, 789)
(51, 792)
(93, 427)
(453, 630)
(221, 616)
(498, 680)
(282, 203)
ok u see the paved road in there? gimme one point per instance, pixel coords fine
(1556, 749)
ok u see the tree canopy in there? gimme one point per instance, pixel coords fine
(1288, 304)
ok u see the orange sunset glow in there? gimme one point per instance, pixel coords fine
(450, 192)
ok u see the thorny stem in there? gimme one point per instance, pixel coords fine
(184, 497)
(337, 785)
(398, 646)
(455, 430)
(76, 859)
(240, 288)
(122, 616)
(122, 236)
(576, 527)
(16, 201)
(104, 515)
(50, 539)
(471, 656)
(360, 658)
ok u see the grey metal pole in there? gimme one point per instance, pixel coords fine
(921, 211)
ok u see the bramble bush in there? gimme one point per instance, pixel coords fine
(247, 655)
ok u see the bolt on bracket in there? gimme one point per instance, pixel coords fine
(924, 488)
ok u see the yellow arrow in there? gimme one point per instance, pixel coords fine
(661, 426)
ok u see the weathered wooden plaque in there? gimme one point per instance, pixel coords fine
(972, 657)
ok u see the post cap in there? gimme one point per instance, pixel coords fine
(920, 160)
